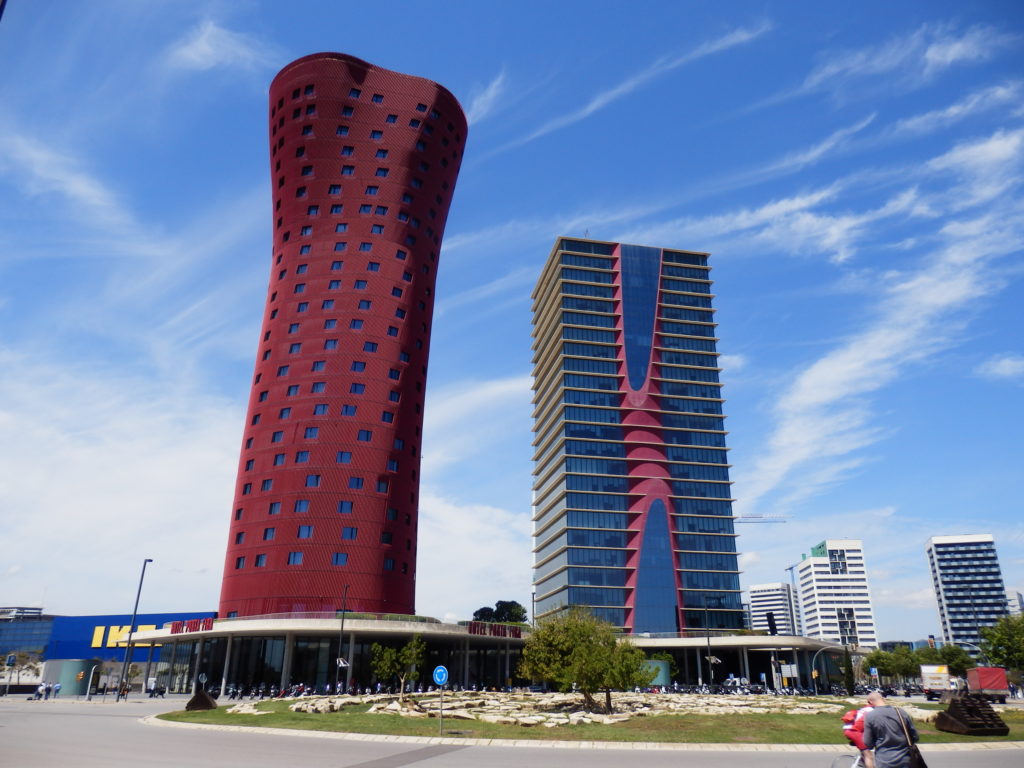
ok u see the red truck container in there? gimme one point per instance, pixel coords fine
(989, 682)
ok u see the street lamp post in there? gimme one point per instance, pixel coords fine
(975, 647)
(707, 630)
(341, 639)
(131, 629)
(814, 660)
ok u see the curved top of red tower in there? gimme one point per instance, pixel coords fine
(355, 61)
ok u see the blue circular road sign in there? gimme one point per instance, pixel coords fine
(440, 675)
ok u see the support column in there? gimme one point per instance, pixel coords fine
(508, 665)
(745, 661)
(465, 663)
(149, 664)
(700, 667)
(199, 661)
(286, 662)
(172, 649)
(227, 665)
(351, 660)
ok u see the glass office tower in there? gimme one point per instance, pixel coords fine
(968, 586)
(632, 510)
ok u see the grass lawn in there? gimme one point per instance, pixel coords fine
(714, 729)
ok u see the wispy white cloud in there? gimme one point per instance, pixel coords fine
(988, 167)
(629, 85)
(972, 104)
(545, 229)
(824, 417)
(476, 554)
(916, 56)
(906, 61)
(41, 169)
(512, 282)
(1007, 367)
(732, 363)
(139, 266)
(978, 43)
(124, 467)
(454, 414)
(208, 45)
(484, 101)
(790, 224)
(804, 157)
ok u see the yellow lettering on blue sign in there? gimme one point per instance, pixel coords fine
(117, 636)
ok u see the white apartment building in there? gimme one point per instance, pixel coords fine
(1014, 602)
(834, 596)
(779, 599)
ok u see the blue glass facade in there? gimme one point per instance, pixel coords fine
(631, 477)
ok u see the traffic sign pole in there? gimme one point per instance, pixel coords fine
(440, 678)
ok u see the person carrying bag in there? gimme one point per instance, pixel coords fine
(891, 733)
(914, 754)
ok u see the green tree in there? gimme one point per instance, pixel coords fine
(904, 663)
(882, 661)
(576, 651)
(957, 659)
(1003, 643)
(848, 680)
(27, 662)
(388, 663)
(504, 611)
(927, 656)
(384, 662)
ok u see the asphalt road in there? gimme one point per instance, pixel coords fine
(108, 734)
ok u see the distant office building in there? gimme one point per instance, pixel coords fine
(968, 585)
(835, 599)
(632, 505)
(777, 599)
(363, 165)
(1014, 602)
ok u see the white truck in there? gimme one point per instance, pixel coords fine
(934, 680)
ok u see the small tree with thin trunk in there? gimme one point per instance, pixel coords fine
(389, 663)
(27, 662)
(848, 680)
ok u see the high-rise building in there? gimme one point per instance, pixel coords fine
(363, 163)
(632, 510)
(968, 585)
(1014, 602)
(835, 598)
(777, 599)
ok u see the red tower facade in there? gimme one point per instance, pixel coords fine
(363, 166)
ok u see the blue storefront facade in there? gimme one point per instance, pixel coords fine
(102, 637)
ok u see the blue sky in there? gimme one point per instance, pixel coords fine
(856, 173)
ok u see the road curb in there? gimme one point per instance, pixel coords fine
(624, 745)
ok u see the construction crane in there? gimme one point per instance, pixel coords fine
(761, 518)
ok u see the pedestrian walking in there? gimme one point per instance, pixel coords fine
(890, 732)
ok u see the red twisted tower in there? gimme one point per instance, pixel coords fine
(363, 166)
